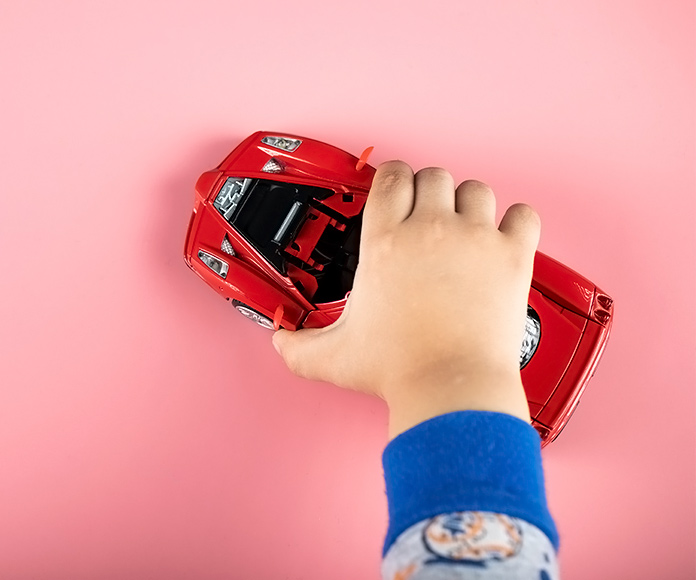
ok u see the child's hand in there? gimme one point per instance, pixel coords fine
(436, 317)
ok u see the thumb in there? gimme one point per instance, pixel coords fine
(307, 352)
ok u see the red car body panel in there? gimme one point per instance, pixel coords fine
(292, 279)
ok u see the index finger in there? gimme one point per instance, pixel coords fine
(390, 200)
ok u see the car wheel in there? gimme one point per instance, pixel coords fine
(252, 314)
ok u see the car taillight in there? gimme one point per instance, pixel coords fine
(532, 334)
(284, 143)
(215, 264)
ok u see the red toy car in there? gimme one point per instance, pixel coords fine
(276, 230)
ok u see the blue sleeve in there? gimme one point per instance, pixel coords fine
(476, 461)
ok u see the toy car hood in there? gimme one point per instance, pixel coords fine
(338, 168)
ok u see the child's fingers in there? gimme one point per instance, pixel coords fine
(522, 222)
(434, 191)
(476, 202)
(391, 198)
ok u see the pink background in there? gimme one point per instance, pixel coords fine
(149, 431)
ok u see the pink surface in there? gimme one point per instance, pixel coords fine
(148, 431)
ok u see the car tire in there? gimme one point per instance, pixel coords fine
(254, 315)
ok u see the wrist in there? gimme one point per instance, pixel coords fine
(411, 403)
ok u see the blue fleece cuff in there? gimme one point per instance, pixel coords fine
(465, 461)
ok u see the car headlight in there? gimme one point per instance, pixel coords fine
(284, 143)
(532, 335)
(215, 264)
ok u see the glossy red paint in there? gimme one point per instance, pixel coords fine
(311, 204)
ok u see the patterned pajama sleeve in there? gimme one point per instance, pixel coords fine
(466, 500)
(471, 546)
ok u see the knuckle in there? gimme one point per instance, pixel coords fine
(393, 173)
(430, 221)
(434, 177)
(428, 231)
(437, 172)
(525, 213)
(394, 164)
(476, 185)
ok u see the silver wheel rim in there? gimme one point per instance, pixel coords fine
(259, 319)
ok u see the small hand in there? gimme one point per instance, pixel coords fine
(436, 316)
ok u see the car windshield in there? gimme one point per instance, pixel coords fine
(231, 193)
(266, 212)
